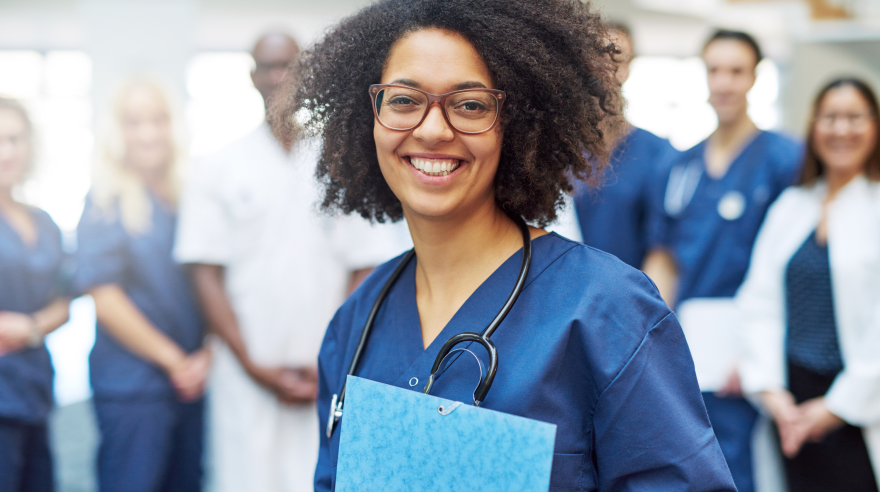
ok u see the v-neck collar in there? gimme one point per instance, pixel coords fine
(738, 162)
(414, 361)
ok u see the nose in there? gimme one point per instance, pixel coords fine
(434, 128)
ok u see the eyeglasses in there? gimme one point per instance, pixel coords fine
(855, 121)
(469, 111)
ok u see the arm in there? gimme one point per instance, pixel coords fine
(660, 267)
(17, 330)
(291, 385)
(127, 325)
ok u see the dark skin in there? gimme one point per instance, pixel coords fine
(292, 385)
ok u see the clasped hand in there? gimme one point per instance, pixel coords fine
(291, 385)
(190, 375)
(810, 421)
(15, 331)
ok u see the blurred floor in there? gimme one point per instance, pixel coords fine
(74, 441)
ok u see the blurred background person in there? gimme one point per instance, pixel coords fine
(147, 366)
(811, 301)
(270, 274)
(614, 217)
(32, 304)
(707, 211)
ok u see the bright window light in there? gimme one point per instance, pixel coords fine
(223, 104)
(669, 97)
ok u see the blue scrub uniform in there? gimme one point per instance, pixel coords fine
(614, 218)
(150, 441)
(30, 279)
(588, 346)
(712, 252)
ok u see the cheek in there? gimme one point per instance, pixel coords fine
(387, 142)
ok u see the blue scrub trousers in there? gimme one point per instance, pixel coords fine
(150, 446)
(733, 420)
(25, 461)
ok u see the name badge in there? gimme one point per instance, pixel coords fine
(732, 205)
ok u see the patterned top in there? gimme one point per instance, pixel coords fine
(811, 341)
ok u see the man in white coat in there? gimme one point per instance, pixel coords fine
(270, 273)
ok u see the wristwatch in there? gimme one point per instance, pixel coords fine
(35, 339)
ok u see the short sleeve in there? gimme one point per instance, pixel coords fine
(204, 229)
(360, 244)
(102, 250)
(651, 427)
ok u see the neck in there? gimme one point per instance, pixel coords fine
(452, 252)
(157, 182)
(6, 200)
(733, 133)
(837, 180)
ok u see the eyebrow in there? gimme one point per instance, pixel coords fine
(472, 84)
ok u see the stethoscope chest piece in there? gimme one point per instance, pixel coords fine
(732, 205)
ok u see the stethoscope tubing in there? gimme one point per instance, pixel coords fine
(482, 338)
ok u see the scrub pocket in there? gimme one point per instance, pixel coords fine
(569, 472)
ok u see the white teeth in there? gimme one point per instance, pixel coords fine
(435, 167)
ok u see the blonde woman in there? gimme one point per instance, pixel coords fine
(148, 367)
(31, 306)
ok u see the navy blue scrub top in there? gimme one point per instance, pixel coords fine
(588, 346)
(30, 279)
(711, 252)
(141, 264)
(614, 218)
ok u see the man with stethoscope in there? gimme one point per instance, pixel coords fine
(702, 230)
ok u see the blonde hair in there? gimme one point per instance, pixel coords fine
(115, 185)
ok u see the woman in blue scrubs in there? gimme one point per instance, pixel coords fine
(589, 346)
(31, 306)
(147, 366)
(709, 205)
(614, 218)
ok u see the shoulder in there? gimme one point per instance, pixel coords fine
(597, 283)
(44, 221)
(784, 151)
(364, 296)
(655, 143)
(608, 307)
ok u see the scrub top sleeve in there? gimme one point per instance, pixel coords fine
(102, 250)
(204, 230)
(651, 430)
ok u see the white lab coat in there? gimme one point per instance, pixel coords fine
(253, 209)
(854, 252)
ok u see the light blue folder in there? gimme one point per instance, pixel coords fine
(400, 440)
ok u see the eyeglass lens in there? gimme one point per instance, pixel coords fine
(469, 111)
(855, 120)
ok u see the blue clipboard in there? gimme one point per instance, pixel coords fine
(400, 440)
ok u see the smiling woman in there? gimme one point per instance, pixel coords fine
(484, 111)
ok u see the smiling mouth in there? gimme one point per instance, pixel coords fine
(435, 167)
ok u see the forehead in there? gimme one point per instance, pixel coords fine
(275, 48)
(729, 52)
(11, 121)
(436, 60)
(845, 97)
(143, 99)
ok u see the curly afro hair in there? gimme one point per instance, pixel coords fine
(553, 58)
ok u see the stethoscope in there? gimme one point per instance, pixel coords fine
(482, 338)
(682, 184)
